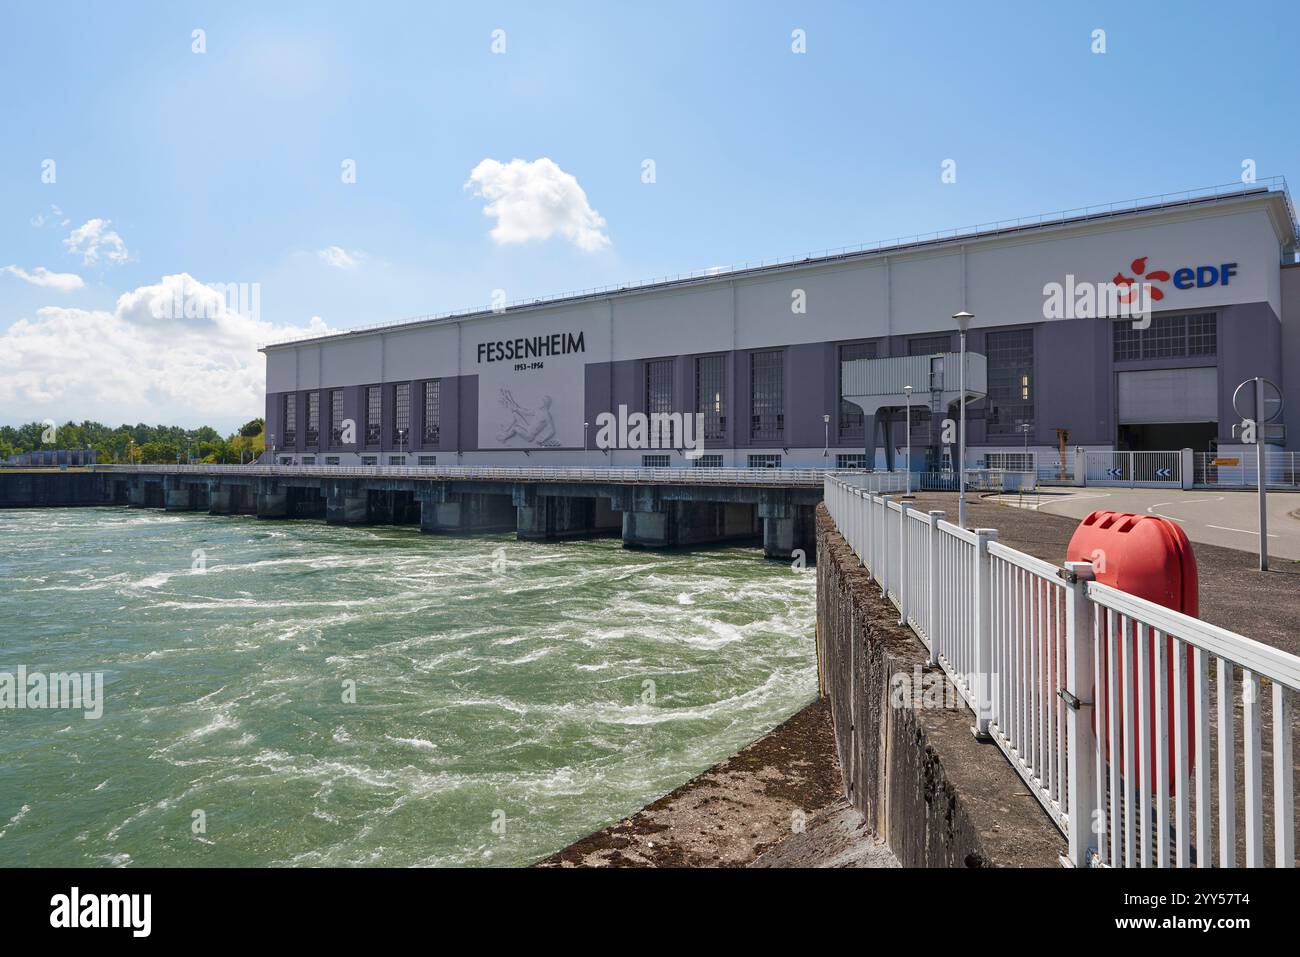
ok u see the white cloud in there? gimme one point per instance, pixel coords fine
(130, 365)
(40, 276)
(93, 240)
(340, 258)
(535, 201)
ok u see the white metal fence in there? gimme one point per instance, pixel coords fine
(1240, 469)
(1060, 671)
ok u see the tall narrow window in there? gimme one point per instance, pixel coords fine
(659, 386)
(767, 395)
(374, 405)
(313, 418)
(336, 417)
(1011, 381)
(711, 395)
(432, 411)
(402, 414)
(851, 416)
(290, 420)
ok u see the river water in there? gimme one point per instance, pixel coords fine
(292, 693)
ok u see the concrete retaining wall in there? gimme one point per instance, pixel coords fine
(912, 767)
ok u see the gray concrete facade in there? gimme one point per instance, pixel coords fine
(893, 299)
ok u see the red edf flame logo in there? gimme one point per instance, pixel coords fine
(1139, 267)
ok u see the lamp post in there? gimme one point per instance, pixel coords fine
(826, 425)
(907, 393)
(584, 444)
(962, 319)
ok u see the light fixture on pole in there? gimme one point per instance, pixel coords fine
(962, 319)
(826, 425)
(584, 443)
(907, 392)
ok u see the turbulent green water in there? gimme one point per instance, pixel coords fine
(496, 682)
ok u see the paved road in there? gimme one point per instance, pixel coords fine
(1211, 516)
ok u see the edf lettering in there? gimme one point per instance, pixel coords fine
(1203, 276)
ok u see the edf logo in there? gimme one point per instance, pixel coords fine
(1185, 278)
(1203, 276)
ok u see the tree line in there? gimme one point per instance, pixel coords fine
(142, 444)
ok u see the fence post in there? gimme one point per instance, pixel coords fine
(1081, 737)
(932, 585)
(903, 508)
(882, 546)
(983, 633)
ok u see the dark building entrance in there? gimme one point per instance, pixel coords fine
(1167, 436)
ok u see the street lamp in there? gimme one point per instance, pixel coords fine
(584, 443)
(907, 393)
(826, 425)
(962, 319)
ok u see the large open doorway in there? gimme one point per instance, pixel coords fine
(1167, 436)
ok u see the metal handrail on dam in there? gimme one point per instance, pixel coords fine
(784, 478)
(1103, 702)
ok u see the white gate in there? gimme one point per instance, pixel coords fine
(1134, 469)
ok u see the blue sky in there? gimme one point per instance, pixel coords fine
(225, 166)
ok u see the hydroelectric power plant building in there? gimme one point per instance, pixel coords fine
(760, 352)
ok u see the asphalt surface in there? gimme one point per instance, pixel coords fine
(1213, 517)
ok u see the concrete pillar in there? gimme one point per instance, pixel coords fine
(177, 499)
(218, 499)
(272, 501)
(343, 508)
(778, 538)
(786, 527)
(135, 494)
(647, 530)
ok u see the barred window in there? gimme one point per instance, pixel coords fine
(374, 405)
(1128, 342)
(336, 417)
(711, 394)
(1202, 335)
(313, 418)
(432, 411)
(1010, 377)
(1010, 461)
(659, 386)
(331, 460)
(708, 462)
(290, 419)
(428, 460)
(765, 461)
(852, 418)
(1167, 337)
(656, 461)
(767, 395)
(850, 460)
(929, 345)
(401, 413)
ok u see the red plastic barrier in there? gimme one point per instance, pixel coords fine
(1150, 557)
